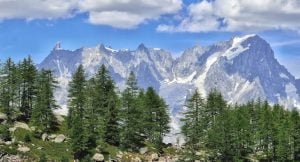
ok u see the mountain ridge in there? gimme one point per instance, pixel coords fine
(241, 68)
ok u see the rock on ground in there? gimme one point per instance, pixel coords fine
(23, 149)
(3, 116)
(98, 157)
(143, 150)
(44, 136)
(22, 125)
(60, 138)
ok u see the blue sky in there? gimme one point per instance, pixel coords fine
(174, 25)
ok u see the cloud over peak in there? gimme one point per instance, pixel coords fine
(238, 15)
(116, 13)
(199, 16)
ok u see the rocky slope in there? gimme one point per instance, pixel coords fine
(242, 68)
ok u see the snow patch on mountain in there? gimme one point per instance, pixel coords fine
(200, 81)
(242, 68)
(237, 47)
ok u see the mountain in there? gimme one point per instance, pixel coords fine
(242, 68)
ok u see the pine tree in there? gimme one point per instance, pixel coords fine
(9, 89)
(27, 78)
(106, 107)
(112, 129)
(131, 136)
(194, 125)
(76, 116)
(295, 135)
(242, 141)
(156, 118)
(265, 126)
(102, 108)
(42, 114)
(219, 122)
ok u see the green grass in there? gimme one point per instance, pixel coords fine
(53, 151)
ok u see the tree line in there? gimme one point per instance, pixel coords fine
(98, 113)
(217, 131)
(27, 94)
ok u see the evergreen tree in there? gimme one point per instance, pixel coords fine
(76, 116)
(9, 89)
(131, 136)
(111, 132)
(27, 78)
(295, 135)
(194, 125)
(242, 131)
(156, 118)
(265, 129)
(42, 114)
(219, 120)
(106, 107)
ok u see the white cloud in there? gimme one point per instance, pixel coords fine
(285, 43)
(116, 13)
(127, 13)
(238, 15)
(36, 9)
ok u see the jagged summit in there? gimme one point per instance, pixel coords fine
(242, 68)
(142, 47)
(57, 46)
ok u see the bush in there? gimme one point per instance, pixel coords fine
(43, 158)
(4, 133)
(64, 159)
(27, 138)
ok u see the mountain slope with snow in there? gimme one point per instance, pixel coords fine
(242, 68)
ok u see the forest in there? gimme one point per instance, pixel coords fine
(101, 118)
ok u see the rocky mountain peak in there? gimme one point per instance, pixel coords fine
(57, 46)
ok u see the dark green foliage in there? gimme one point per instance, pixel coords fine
(42, 114)
(255, 130)
(9, 89)
(131, 133)
(103, 107)
(156, 118)
(194, 125)
(76, 116)
(295, 134)
(27, 89)
(64, 159)
(5, 133)
(27, 138)
(43, 158)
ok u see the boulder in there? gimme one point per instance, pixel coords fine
(40, 148)
(137, 159)
(98, 157)
(163, 159)
(44, 136)
(12, 129)
(143, 150)
(60, 138)
(22, 125)
(10, 158)
(23, 149)
(119, 155)
(52, 136)
(3, 117)
(154, 157)
(8, 142)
